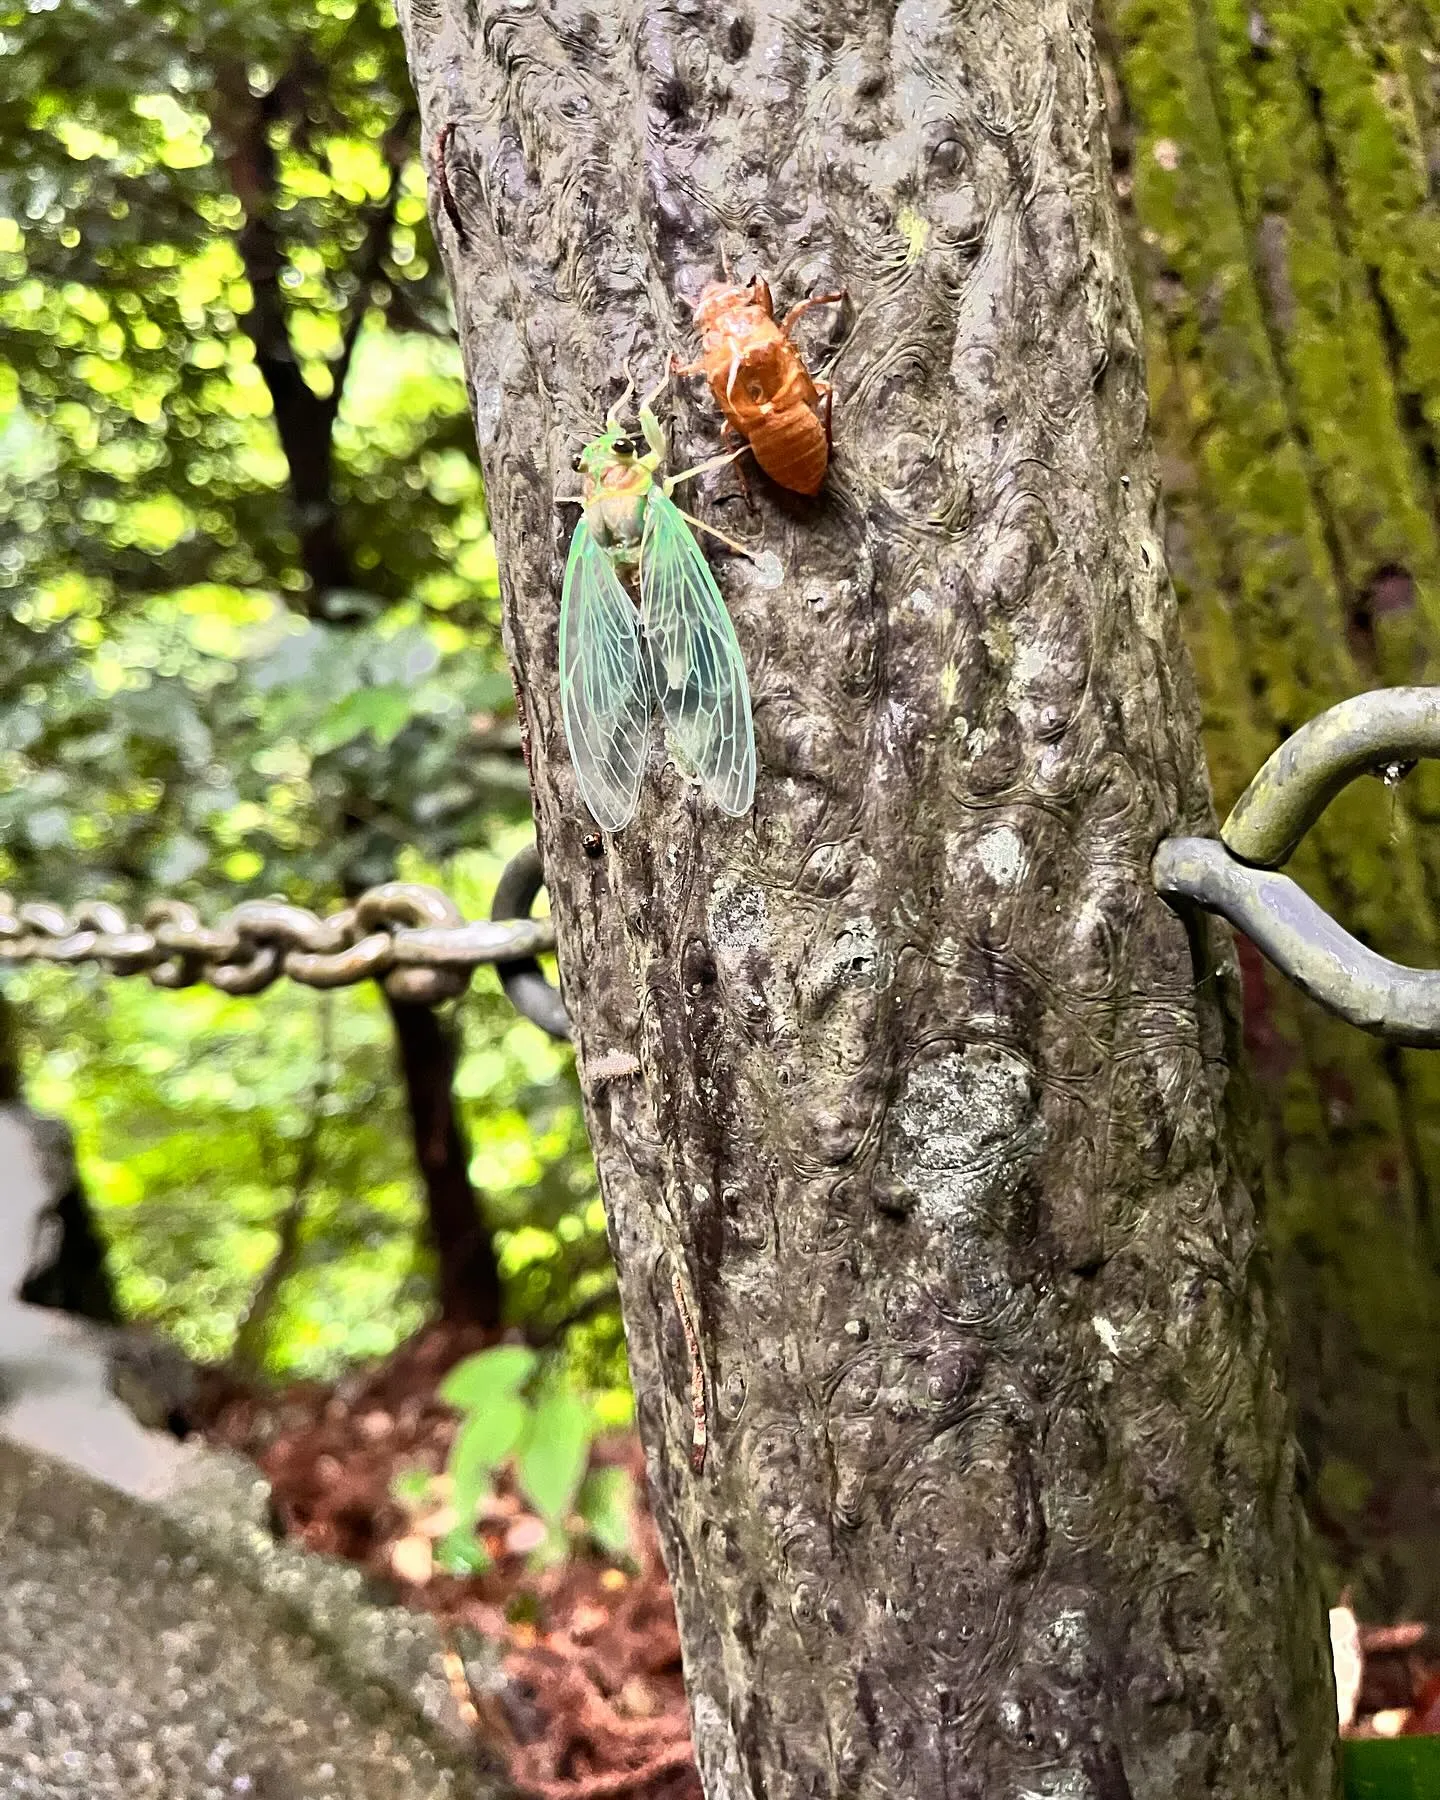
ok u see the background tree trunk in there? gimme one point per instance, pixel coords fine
(930, 1152)
(1281, 165)
(467, 1270)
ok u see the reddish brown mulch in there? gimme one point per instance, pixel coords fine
(1400, 1679)
(590, 1704)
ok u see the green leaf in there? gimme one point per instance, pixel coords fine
(411, 1487)
(460, 1552)
(555, 1451)
(481, 1380)
(606, 1505)
(553, 1548)
(382, 711)
(1404, 1768)
(482, 1444)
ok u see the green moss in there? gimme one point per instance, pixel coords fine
(1287, 256)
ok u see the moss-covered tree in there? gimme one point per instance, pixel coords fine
(940, 1271)
(1281, 162)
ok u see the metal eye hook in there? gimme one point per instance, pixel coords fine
(1234, 875)
(524, 981)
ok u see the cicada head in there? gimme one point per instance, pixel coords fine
(614, 445)
(716, 299)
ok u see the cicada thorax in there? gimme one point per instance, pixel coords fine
(615, 505)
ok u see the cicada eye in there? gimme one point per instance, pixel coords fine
(577, 462)
(625, 447)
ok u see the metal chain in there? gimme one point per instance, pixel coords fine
(414, 940)
(411, 938)
(530, 992)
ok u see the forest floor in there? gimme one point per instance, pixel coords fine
(581, 1695)
(583, 1698)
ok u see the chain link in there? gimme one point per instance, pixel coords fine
(411, 938)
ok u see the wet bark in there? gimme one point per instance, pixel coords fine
(954, 1361)
(1278, 167)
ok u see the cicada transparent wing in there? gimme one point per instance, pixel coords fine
(695, 661)
(604, 695)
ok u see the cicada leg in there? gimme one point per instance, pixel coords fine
(715, 462)
(740, 474)
(803, 306)
(612, 418)
(653, 430)
(710, 531)
(827, 393)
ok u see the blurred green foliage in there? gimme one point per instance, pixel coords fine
(219, 662)
(249, 643)
(1392, 1768)
(198, 1113)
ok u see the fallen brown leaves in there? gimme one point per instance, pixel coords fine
(1393, 1677)
(590, 1703)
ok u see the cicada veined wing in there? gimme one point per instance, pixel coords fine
(604, 695)
(694, 658)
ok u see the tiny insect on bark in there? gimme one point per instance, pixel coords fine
(699, 1416)
(679, 648)
(442, 179)
(760, 381)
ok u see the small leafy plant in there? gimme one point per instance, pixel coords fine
(515, 1411)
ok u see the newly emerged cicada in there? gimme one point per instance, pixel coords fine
(679, 647)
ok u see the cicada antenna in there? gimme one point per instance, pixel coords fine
(612, 418)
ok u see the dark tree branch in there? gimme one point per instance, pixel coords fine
(468, 1275)
(252, 1335)
(304, 420)
(370, 259)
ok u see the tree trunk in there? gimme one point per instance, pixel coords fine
(954, 1363)
(1280, 165)
(468, 1274)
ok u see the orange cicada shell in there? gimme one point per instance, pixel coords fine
(760, 381)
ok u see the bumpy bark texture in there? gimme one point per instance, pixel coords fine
(929, 1149)
(1280, 163)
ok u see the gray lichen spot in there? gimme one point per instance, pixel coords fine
(715, 1752)
(739, 917)
(1067, 1784)
(1002, 855)
(767, 570)
(968, 1130)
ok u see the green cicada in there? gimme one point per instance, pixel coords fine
(679, 648)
